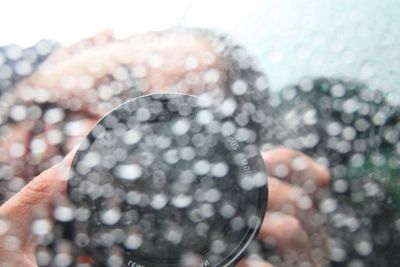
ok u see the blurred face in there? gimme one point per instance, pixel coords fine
(58, 105)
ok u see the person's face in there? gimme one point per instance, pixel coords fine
(72, 92)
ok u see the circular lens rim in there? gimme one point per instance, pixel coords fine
(261, 207)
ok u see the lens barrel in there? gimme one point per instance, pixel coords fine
(166, 180)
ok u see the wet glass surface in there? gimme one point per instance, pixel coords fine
(318, 98)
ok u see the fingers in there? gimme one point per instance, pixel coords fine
(293, 225)
(42, 189)
(285, 231)
(287, 235)
(295, 166)
(287, 197)
(33, 202)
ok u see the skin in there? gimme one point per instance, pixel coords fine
(288, 222)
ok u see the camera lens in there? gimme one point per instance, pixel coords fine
(167, 180)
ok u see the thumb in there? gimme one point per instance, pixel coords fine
(34, 199)
(43, 188)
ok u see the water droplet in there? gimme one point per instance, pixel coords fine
(328, 205)
(110, 216)
(181, 201)
(239, 87)
(181, 127)
(133, 242)
(129, 172)
(220, 169)
(201, 167)
(64, 213)
(159, 201)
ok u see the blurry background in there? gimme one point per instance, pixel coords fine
(290, 39)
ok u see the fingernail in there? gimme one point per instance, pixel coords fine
(70, 156)
(267, 155)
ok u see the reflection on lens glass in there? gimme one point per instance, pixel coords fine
(168, 182)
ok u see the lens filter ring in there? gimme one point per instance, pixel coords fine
(168, 180)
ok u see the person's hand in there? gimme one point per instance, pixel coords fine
(32, 203)
(292, 224)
